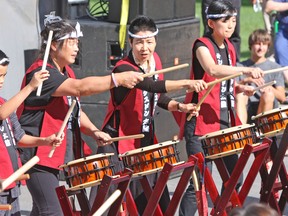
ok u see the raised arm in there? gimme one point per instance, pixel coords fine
(219, 71)
(97, 84)
(11, 105)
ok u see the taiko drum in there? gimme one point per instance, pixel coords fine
(151, 157)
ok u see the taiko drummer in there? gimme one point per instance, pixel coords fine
(132, 111)
(44, 114)
(12, 135)
(213, 56)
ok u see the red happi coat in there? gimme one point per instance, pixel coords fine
(209, 114)
(131, 111)
(52, 121)
(6, 168)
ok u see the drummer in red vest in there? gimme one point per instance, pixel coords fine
(213, 56)
(12, 135)
(41, 115)
(131, 111)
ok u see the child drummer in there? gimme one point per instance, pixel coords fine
(12, 135)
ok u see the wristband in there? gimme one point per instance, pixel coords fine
(114, 80)
(178, 107)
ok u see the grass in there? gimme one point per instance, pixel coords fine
(249, 21)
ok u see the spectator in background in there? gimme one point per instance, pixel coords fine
(266, 98)
(235, 38)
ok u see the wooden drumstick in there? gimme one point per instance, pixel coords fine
(265, 85)
(276, 70)
(5, 207)
(45, 59)
(136, 136)
(108, 203)
(202, 100)
(225, 78)
(220, 80)
(169, 69)
(63, 126)
(23, 177)
(19, 172)
(195, 180)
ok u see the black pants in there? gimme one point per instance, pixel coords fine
(41, 186)
(188, 205)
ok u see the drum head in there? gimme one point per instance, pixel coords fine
(226, 131)
(280, 109)
(148, 148)
(86, 159)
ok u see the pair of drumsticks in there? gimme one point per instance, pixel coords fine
(213, 83)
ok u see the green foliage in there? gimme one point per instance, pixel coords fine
(249, 21)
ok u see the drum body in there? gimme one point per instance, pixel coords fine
(272, 122)
(228, 139)
(88, 169)
(151, 157)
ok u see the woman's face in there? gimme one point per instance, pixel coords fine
(68, 53)
(223, 28)
(143, 49)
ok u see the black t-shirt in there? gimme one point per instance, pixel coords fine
(31, 120)
(198, 70)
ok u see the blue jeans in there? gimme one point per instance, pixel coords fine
(188, 205)
(281, 45)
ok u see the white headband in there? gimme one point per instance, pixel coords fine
(51, 18)
(4, 60)
(74, 34)
(217, 16)
(143, 36)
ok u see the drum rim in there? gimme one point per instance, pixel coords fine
(279, 109)
(90, 157)
(151, 147)
(226, 131)
(230, 152)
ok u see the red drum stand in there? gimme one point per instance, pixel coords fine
(229, 193)
(269, 184)
(153, 195)
(122, 181)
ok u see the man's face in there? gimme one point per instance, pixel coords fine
(259, 49)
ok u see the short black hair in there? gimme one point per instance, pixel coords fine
(142, 23)
(4, 56)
